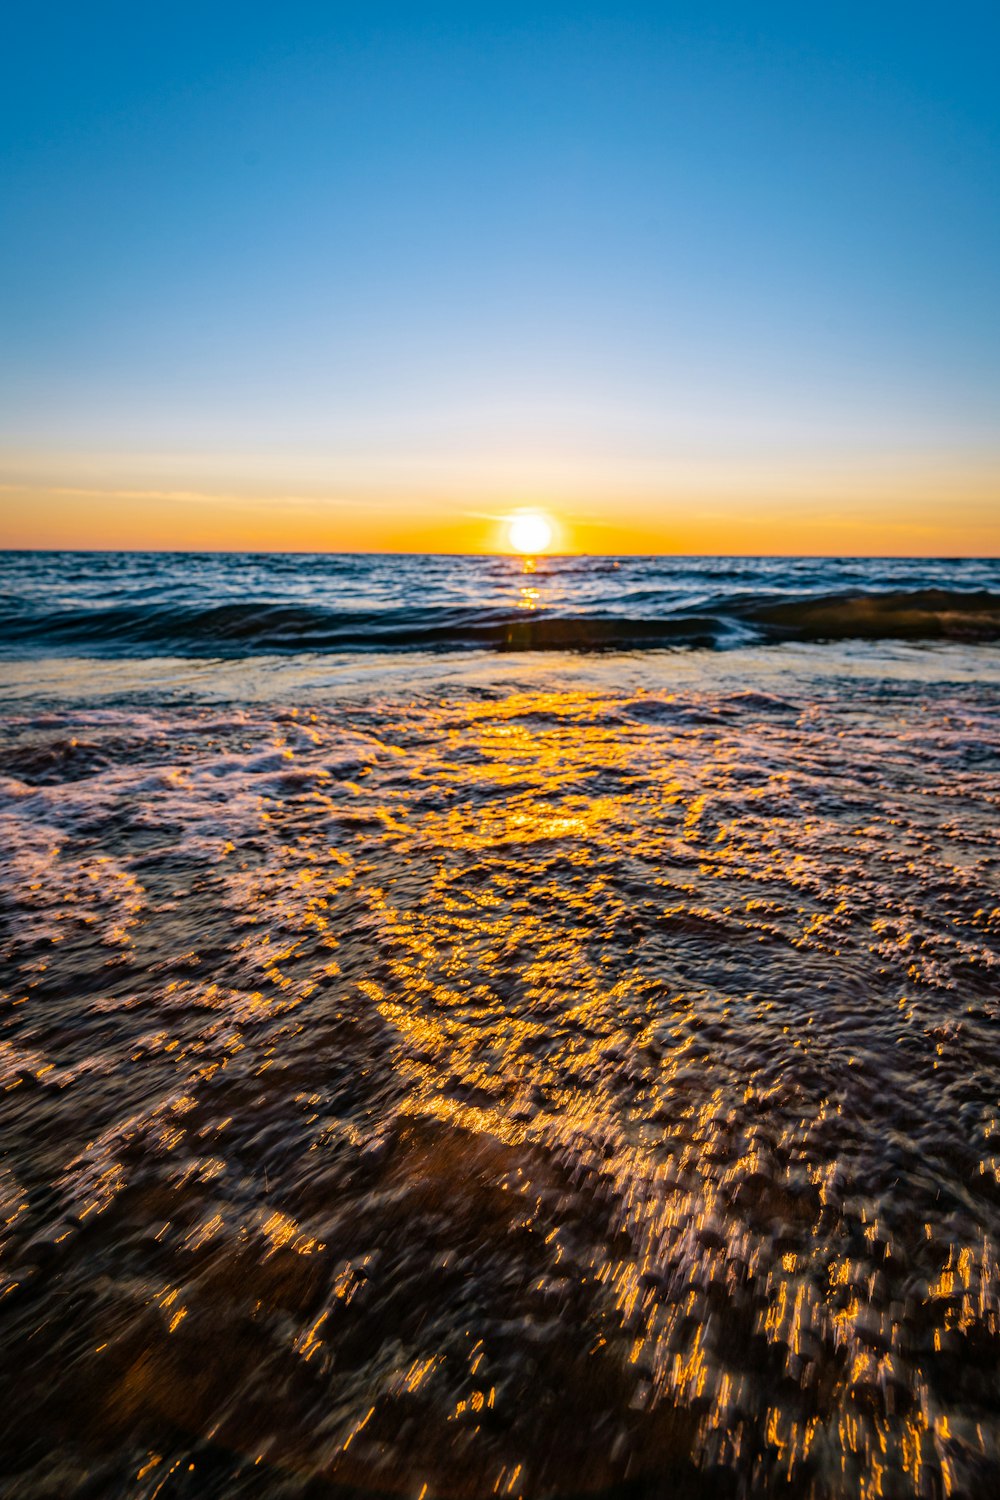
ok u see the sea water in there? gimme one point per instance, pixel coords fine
(479, 1028)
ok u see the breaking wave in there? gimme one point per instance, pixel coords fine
(254, 627)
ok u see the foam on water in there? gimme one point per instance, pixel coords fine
(521, 1088)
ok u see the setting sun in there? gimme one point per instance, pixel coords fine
(529, 533)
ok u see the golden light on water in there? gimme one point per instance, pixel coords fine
(529, 533)
(543, 953)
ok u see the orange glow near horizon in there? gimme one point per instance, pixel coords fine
(935, 507)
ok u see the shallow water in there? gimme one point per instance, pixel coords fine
(583, 1080)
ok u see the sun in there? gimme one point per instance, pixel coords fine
(529, 533)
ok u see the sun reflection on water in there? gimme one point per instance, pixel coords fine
(523, 1093)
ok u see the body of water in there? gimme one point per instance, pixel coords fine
(431, 1072)
(162, 604)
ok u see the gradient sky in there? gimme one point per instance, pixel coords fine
(688, 277)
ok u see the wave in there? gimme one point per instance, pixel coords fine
(921, 614)
(248, 628)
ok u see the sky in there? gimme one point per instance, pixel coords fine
(685, 278)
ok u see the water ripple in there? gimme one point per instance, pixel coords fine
(525, 1093)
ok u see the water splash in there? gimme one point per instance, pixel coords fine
(522, 1092)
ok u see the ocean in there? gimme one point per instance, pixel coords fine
(473, 1027)
(182, 604)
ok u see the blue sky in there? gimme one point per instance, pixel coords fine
(381, 249)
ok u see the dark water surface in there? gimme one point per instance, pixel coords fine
(556, 1075)
(156, 604)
